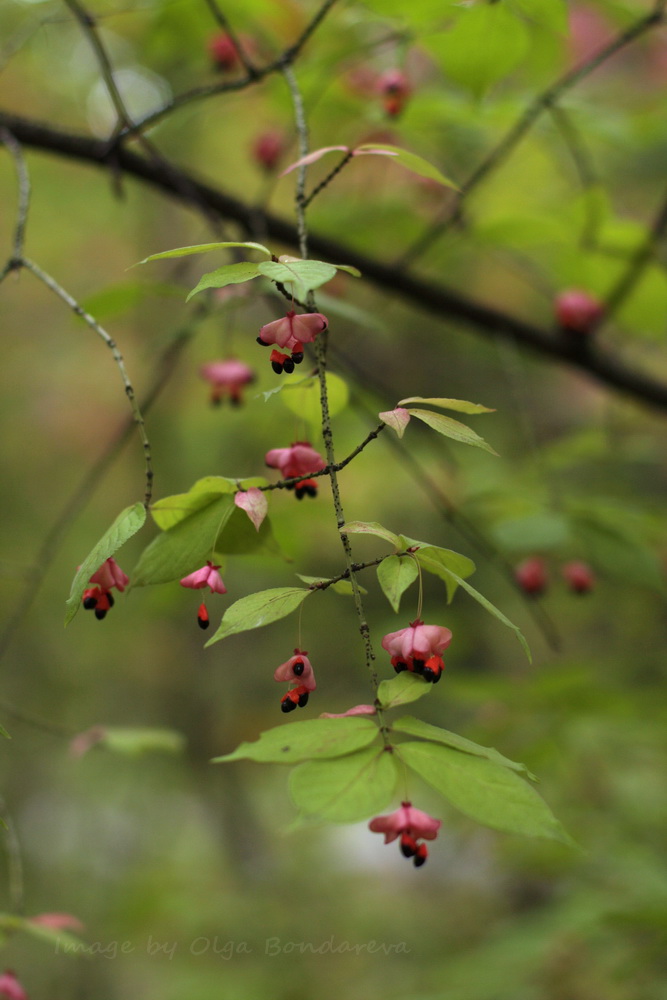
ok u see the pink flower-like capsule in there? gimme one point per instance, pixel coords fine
(207, 576)
(223, 52)
(291, 333)
(577, 311)
(411, 825)
(10, 987)
(531, 576)
(227, 377)
(110, 575)
(418, 648)
(268, 149)
(300, 459)
(579, 576)
(395, 89)
(298, 670)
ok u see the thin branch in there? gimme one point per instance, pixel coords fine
(286, 58)
(118, 358)
(639, 261)
(547, 99)
(345, 575)
(221, 19)
(442, 302)
(585, 168)
(23, 179)
(327, 180)
(14, 861)
(327, 433)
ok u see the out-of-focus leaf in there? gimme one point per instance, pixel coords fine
(534, 533)
(134, 742)
(302, 397)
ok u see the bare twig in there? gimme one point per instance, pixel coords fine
(23, 178)
(221, 20)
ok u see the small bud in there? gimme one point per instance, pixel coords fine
(579, 577)
(531, 576)
(578, 311)
(223, 52)
(268, 149)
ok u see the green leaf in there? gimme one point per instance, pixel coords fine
(450, 428)
(395, 574)
(347, 789)
(3, 732)
(134, 742)
(484, 45)
(170, 511)
(302, 397)
(203, 248)
(229, 274)
(492, 609)
(185, 547)
(485, 791)
(417, 164)
(304, 275)
(441, 562)
(402, 689)
(371, 528)
(552, 14)
(259, 609)
(126, 524)
(308, 740)
(460, 405)
(415, 727)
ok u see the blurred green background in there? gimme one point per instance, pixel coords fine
(186, 875)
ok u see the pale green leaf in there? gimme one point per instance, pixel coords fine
(185, 547)
(302, 397)
(371, 528)
(346, 789)
(484, 790)
(168, 511)
(491, 608)
(534, 533)
(402, 689)
(134, 742)
(305, 275)
(126, 524)
(259, 609)
(307, 740)
(203, 248)
(551, 14)
(395, 574)
(417, 164)
(415, 727)
(441, 562)
(3, 732)
(450, 428)
(460, 405)
(483, 46)
(229, 274)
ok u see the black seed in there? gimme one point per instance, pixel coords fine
(216, 400)
(297, 358)
(287, 705)
(289, 486)
(418, 666)
(89, 603)
(417, 861)
(310, 490)
(235, 400)
(303, 699)
(299, 492)
(437, 676)
(203, 622)
(288, 365)
(429, 675)
(408, 850)
(262, 342)
(99, 614)
(110, 600)
(277, 367)
(400, 667)
(298, 668)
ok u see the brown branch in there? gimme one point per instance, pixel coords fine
(444, 303)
